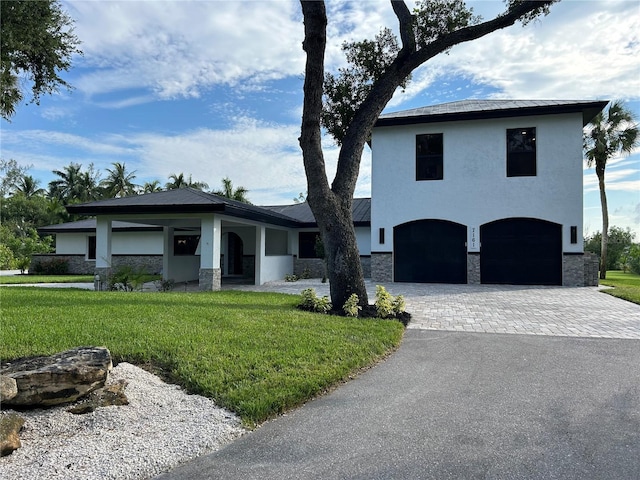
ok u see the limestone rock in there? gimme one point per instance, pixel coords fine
(10, 426)
(60, 378)
(8, 388)
(103, 397)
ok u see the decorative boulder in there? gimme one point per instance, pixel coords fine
(60, 378)
(10, 426)
(103, 397)
(8, 388)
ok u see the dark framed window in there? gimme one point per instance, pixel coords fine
(307, 244)
(185, 244)
(521, 152)
(91, 248)
(429, 157)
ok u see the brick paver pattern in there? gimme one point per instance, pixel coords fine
(529, 310)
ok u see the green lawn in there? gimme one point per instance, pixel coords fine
(627, 285)
(253, 353)
(17, 279)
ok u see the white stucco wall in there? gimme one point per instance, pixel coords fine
(123, 243)
(275, 267)
(475, 189)
(363, 238)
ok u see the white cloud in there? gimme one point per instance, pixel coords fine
(581, 50)
(176, 49)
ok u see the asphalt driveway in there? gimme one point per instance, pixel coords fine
(519, 401)
(452, 405)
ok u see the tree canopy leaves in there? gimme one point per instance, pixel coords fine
(37, 43)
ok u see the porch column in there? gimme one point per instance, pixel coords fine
(260, 253)
(210, 276)
(167, 251)
(103, 253)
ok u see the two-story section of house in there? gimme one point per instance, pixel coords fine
(480, 191)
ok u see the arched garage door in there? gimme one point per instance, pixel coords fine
(430, 251)
(521, 251)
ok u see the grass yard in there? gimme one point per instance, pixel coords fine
(627, 285)
(253, 353)
(18, 279)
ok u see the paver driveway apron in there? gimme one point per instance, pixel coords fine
(533, 310)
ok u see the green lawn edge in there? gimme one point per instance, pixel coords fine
(23, 279)
(626, 285)
(253, 353)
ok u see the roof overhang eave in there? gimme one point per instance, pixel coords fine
(588, 109)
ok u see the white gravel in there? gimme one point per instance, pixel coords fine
(160, 428)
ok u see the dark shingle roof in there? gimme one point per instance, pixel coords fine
(303, 214)
(484, 109)
(182, 200)
(187, 200)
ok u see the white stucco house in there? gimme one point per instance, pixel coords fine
(478, 191)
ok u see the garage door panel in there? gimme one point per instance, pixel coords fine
(521, 251)
(430, 251)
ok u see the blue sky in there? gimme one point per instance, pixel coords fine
(214, 89)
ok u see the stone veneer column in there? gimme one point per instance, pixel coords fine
(473, 268)
(210, 279)
(382, 267)
(591, 269)
(572, 270)
(101, 279)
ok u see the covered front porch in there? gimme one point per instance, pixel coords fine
(206, 248)
(205, 237)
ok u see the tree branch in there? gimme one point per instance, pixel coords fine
(315, 27)
(406, 20)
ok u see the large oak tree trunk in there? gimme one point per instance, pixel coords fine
(605, 223)
(332, 211)
(331, 205)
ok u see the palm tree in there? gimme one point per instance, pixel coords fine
(239, 193)
(74, 185)
(151, 187)
(29, 187)
(64, 187)
(179, 181)
(119, 182)
(608, 134)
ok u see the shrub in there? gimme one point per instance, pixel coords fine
(7, 260)
(54, 266)
(306, 273)
(23, 264)
(126, 279)
(351, 307)
(322, 305)
(291, 278)
(399, 305)
(310, 301)
(384, 302)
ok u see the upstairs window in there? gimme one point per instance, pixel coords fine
(521, 152)
(429, 157)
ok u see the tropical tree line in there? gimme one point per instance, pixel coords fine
(623, 253)
(27, 205)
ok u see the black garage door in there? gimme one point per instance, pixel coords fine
(430, 251)
(521, 251)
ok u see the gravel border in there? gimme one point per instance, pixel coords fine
(161, 428)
